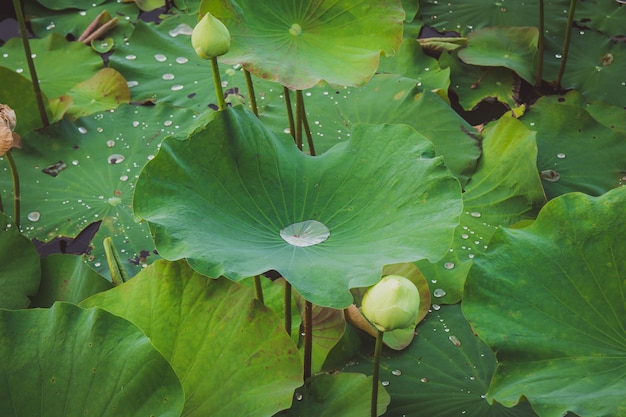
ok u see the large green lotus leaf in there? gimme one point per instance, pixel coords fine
(17, 92)
(299, 44)
(549, 299)
(332, 112)
(595, 67)
(424, 111)
(326, 223)
(72, 23)
(412, 62)
(463, 16)
(613, 117)
(344, 394)
(603, 16)
(231, 354)
(106, 90)
(510, 47)
(102, 155)
(444, 372)
(160, 65)
(474, 84)
(576, 152)
(67, 361)
(80, 62)
(21, 272)
(504, 190)
(67, 278)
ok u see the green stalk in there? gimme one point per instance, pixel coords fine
(376, 373)
(305, 123)
(217, 82)
(540, 45)
(308, 339)
(31, 65)
(16, 189)
(287, 302)
(299, 113)
(251, 94)
(568, 35)
(259, 289)
(292, 126)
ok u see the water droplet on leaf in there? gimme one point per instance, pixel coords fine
(439, 292)
(306, 233)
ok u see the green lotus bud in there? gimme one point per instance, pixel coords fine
(210, 38)
(393, 303)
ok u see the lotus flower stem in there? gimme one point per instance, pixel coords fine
(376, 372)
(308, 338)
(568, 36)
(16, 189)
(540, 45)
(31, 65)
(292, 125)
(259, 289)
(299, 113)
(287, 302)
(305, 123)
(217, 82)
(250, 87)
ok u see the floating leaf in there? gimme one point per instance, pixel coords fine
(342, 394)
(444, 372)
(106, 90)
(381, 195)
(299, 45)
(231, 354)
(84, 362)
(576, 152)
(514, 48)
(504, 190)
(67, 278)
(20, 273)
(549, 299)
(55, 80)
(81, 172)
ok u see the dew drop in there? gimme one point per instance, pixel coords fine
(182, 29)
(436, 307)
(424, 380)
(110, 143)
(50, 26)
(560, 155)
(475, 214)
(75, 162)
(34, 216)
(464, 236)
(306, 233)
(160, 57)
(19, 70)
(298, 396)
(82, 130)
(131, 57)
(135, 123)
(97, 264)
(558, 56)
(182, 60)
(454, 340)
(168, 76)
(439, 292)
(132, 84)
(177, 87)
(396, 372)
(384, 383)
(167, 123)
(116, 158)
(449, 265)
(124, 178)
